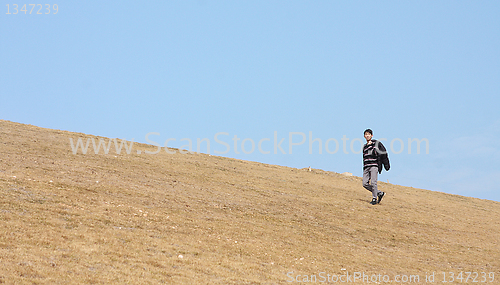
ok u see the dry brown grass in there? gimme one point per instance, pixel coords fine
(232, 221)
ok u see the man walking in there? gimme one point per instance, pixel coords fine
(374, 156)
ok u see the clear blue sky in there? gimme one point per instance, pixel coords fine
(193, 69)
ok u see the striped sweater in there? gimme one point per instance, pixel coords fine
(370, 155)
(375, 154)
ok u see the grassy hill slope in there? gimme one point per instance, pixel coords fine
(198, 219)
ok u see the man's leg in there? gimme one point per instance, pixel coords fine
(373, 180)
(366, 179)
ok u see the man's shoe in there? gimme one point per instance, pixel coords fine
(374, 201)
(380, 196)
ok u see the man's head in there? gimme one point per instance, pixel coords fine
(368, 135)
